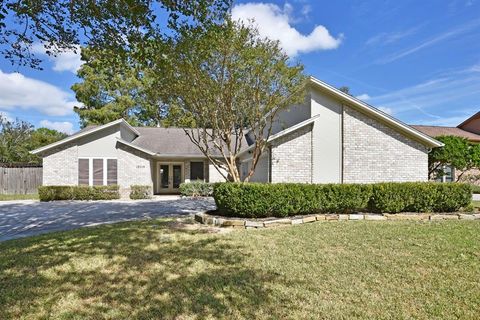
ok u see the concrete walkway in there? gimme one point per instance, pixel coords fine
(27, 218)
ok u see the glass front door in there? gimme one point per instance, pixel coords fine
(170, 176)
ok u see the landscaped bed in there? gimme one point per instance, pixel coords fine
(160, 269)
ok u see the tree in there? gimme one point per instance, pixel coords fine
(232, 82)
(121, 87)
(113, 25)
(344, 89)
(18, 137)
(457, 152)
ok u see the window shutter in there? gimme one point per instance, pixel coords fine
(83, 172)
(111, 171)
(97, 172)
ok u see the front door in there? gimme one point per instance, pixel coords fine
(170, 176)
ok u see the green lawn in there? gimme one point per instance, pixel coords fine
(330, 270)
(5, 197)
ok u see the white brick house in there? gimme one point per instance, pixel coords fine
(331, 138)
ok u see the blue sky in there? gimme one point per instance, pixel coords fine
(417, 60)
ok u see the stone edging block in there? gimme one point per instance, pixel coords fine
(218, 221)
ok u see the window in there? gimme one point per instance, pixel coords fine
(97, 171)
(196, 171)
(448, 174)
(83, 172)
(111, 171)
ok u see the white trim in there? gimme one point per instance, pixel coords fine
(86, 133)
(285, 132)
(90, 169)
(170, 164)
(131, 145)
(382, 115)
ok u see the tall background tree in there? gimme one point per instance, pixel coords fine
(121, 87)
(19, 137)
(232, 82)
(117, 26)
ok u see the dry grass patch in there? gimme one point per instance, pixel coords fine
(170, 269)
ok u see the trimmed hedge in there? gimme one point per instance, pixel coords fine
(138, 192)
(196, 188)
(52, 193)
(256, 200)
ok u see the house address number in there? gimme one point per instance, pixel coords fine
(140, 166)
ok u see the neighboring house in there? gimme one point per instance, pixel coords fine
(468, 129)
(331, 138)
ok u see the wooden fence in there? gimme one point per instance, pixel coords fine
(20, 179)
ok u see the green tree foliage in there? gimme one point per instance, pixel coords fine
(232, 82)
(18, 137)
(113, 25)
(114, 88)
(457, 152)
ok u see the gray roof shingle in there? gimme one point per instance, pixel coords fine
(169, 141)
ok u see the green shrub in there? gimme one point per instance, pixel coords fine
(256, 200)
(196, 188)
(52, 193)
(475, 188)
(140, 192)
(286, 199)
(420, 197)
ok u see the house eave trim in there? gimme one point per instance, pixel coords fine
(379, 114)
(284, 132)
(84, 134)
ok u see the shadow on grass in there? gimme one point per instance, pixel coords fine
(129, 270)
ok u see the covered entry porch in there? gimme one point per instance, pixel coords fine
(168, 174)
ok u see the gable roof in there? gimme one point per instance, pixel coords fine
(84, 132)
(284, 132)
(437, 131)
(467, 121)
(376, 113)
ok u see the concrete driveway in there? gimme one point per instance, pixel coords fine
(28, 218)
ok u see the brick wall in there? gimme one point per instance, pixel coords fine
(374, 152)
(134, 168)
(60, 167)
(292, 157)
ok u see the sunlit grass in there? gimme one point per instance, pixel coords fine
(156, 269)
(6, 197)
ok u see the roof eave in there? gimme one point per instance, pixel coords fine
(378, 113)
(75, 137)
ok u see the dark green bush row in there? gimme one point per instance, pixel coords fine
(196, 188)
(287, 199)
(475, 188)
(140, 192)
(51, 193)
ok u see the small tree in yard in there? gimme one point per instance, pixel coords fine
(457, 152)
(232, 82)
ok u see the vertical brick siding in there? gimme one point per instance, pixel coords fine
(374, 152)
(60, 167)
(292, 157)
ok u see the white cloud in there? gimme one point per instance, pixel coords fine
(387, 110)
(363, 97)
(431, 95)
(428, 43)
(6, 116)
(65, 126)
(275, 23)
(20, 92)
(64, 61)
(385, 38)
